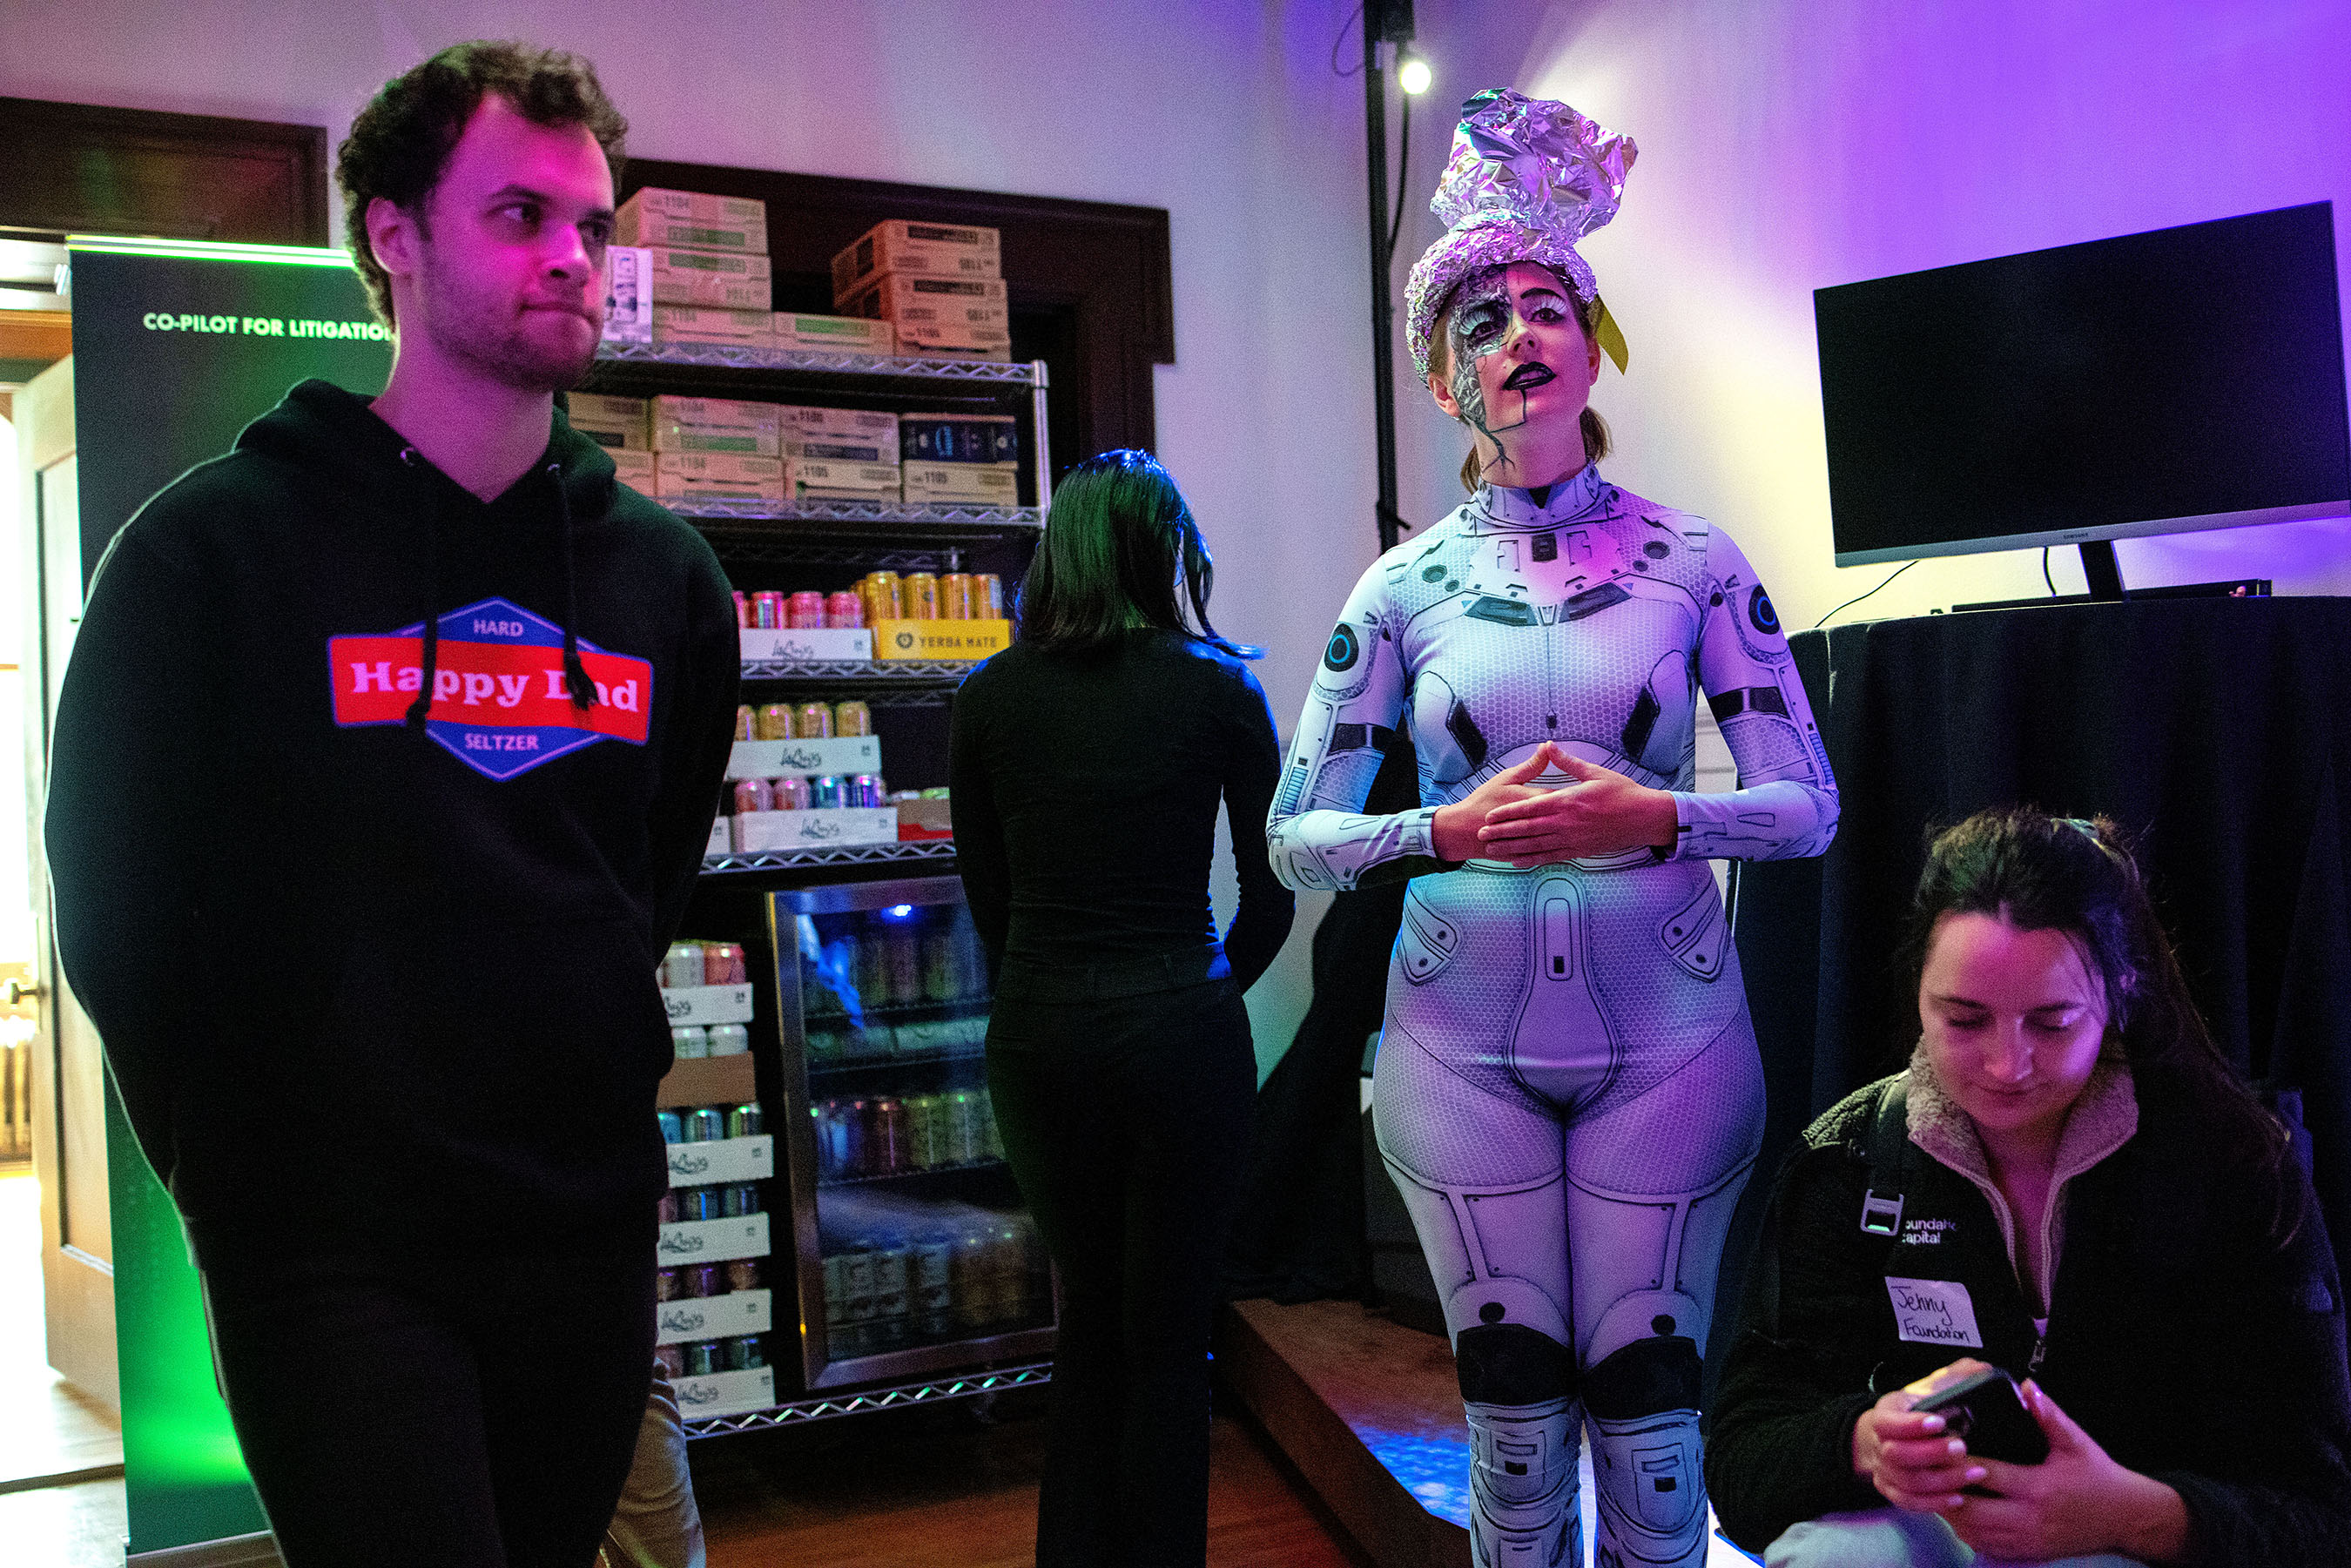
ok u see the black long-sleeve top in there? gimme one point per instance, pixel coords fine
(1085, 792)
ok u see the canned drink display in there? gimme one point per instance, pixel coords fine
(814, 721)
(747, 1121)
(890, 1257)
(747, 723)
(954, 596)
(689, 1040)
(721, 964)
(671, 1358)
(705, 1125)
(742, 609)
(672, 1127)
(861, 789)
(930, 1291)
(825, 792)
(753, 795)
(743, 1274)
(700, 1203)
(766, 609)
(790, 794)
(923, 1144)
(886, 1152)
(851, 717)
(804, 611)
(775, 722)
(741, 1198)
(961, 1112)
(682, 965)
(729, 1040)
(987, 597)
(846, 609)
(920, 590)
(746, 1353)
(857, 1282)
(703, 1359)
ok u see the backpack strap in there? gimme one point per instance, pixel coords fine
(1890, 1156)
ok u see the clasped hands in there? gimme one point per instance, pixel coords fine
(1598, 812)
(2076, 1503)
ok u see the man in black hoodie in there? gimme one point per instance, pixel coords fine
(383, 770)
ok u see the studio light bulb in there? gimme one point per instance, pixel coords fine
(1413, 75)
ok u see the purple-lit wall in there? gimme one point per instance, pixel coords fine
(1786, 144)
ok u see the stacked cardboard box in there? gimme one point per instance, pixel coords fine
(711, 281)
(710, 447)
(939, 286)
(965, 459)
(834, 334)
(842, 453)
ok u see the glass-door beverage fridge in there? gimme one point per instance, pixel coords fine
(914, 1254)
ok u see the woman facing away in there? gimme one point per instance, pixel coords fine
(2067, 1183)
(1567, 1091)
(1087, 764)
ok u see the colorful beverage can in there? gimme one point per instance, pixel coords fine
(857, 1282)
(836, 1288)
(747, 723)
(704, 1280)
(689, 1041)
(790, 794)
(705, 1125)
(804, 611)
(852, 1118)
(826, 792)
(745, 1354)
(667, 1283)
(942, 966)
(886, 1151)
(844, 609)
(861, 789)
(775, 722)
(752, 795)
(721, 964)
(851, 717)
(962, 1115)
(740, 1198)
(729, 1038)
(742, 609)
(987, 597)
(884, 596)
(890, 1257)
(954, 596)
(990, 1146)
(743, 1274)
(901, 956)
(747, 1121)
(703, 1359)
(813, 721)
(671, 1358)
(766, 609)
(672, 1127)
(923, 1148)
(683, 965)
(920, 592)
(666, 1208)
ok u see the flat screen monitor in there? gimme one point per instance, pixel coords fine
(2186, 378)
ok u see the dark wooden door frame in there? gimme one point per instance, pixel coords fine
(81, 168)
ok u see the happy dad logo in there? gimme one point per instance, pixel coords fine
(499, 701)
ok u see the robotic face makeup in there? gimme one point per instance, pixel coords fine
(1518, 358)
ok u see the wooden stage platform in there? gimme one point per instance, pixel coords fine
(1369, 1412)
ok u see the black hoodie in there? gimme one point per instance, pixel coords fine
(365, 980)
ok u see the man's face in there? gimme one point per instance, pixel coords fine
(509, 269)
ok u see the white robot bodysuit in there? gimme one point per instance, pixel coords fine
(1567, 1091)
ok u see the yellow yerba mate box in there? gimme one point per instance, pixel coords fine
(940, 639)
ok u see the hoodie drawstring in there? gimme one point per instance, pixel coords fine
(575, 674)
(422, 706)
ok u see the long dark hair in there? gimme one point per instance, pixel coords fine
(2040, 873)
(1116, 538)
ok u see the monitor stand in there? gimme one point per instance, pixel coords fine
(2102, 572)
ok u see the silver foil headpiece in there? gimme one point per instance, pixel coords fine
(1528, 178)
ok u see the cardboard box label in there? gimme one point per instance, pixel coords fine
(959, 438)
(834, 334)
(897, 245)
(707, 324)
(832, 826)
(628, 294)
(940, 639)
(807, 645)
(879, 479)
(709, 277)
(693, 218)
(997, 483)
(803, 758)
(724, 1393)
(723, 1160)
(707, 1004)
(730, 1316)
(686, 1241)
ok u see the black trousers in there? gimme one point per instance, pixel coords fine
(1127, 1120)
(474, 1413)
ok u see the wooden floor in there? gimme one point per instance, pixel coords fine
(943, 1489)
(48, 1433)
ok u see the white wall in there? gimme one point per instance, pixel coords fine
(1788, 144)
(1226, 114)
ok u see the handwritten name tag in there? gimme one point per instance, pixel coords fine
(1933, 1312)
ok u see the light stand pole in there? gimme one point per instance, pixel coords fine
(1384, 21)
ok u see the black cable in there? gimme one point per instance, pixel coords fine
(2045, 572)
(1341, 38)
(1857, 598)
(1404, 162)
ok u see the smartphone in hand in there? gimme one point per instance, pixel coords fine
(1986, 1411)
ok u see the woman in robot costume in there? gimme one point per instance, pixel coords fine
(1567, 1091)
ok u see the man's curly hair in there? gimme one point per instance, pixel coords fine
(401, 142)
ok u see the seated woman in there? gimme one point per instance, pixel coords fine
(2068, 1183)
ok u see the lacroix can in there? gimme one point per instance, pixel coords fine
(667, 1283)
(920, 592)
(988, 597)
(775, 722)
(804, 611)
(954, 596)
(690, 1040)
(844, 610)
(721, 964)
(766, 609)
(747, 724)
(740, 1198)
(748, 1354)
(671, 1358)
(753, 795)
(684, 965)
(672, 1127)
(790, 794)
(729, 1038)
(746, 1120)
(742, 609)
(705, 1125)
(861, 789)
(743, 1274)
(813, 721)
(826, 792)
(851, 717)
(703, 1359)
